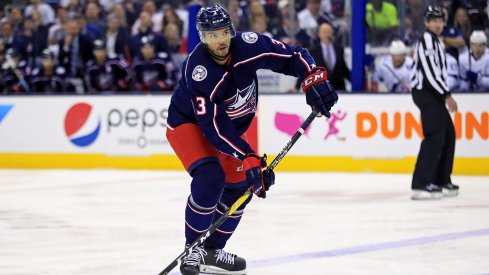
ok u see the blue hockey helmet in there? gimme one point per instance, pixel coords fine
(214, 18)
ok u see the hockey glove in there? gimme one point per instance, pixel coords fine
(320, 94)
(472, 77)
(259, 180)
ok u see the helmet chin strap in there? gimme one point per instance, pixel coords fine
(218, 58)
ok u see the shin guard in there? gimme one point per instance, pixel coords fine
(197, 219)
(219, 238)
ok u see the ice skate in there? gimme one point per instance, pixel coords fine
(218, 261)
(430, 192)
(450, 190)
(190, 264)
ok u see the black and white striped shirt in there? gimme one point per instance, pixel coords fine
(430, 65)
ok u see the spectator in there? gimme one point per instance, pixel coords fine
(290, 33)
(93, 21)
(308, 18)
(35, 37)
(154, 71)
(73, 8)
(145, 30)
(237, 13)
(155, 16)
(288, 29)
(91, 30)
(331, 56)
(395, 69)
(170, 17)
(10, 40)
(47, 13)
(462, 22)
(256, 10)
(475, 10)
(71, 56)
(175, 42)
(105, 73)
(338, 8)
(474, 64)
(132, 10)
(48, 77)
(452, 37)
(182, 12)
(259, 25)
(382, 20)
(56, 31)
(16, 18)
(119, 11)
(116, 38)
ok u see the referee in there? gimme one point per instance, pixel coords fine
(431, 178)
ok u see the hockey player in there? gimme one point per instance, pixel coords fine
(453, 72)
(154, 72)
(394, 70)
(105, 73)
(211, 108)
(432, 173)
(474, 64)
(48, 77)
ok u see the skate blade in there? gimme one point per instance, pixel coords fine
(450, 193)
(426, 196)
(207, 269)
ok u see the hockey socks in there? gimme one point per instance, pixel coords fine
(207, 185)
(219, 238)
(197, 219)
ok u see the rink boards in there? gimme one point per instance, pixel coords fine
(367, 132)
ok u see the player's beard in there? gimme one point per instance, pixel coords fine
(220, 54)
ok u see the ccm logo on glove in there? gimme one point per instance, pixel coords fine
(314, 78)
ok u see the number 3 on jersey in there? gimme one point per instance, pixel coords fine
(201, 110)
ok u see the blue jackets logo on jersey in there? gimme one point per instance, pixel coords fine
(199, 73)
(243, 103)
(249, 37)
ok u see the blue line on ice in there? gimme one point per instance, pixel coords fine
(367, 248)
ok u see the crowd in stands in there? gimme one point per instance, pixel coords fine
(93, 46)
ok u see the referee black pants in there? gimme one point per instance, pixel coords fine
(435, 157)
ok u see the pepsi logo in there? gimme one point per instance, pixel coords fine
(82, 126)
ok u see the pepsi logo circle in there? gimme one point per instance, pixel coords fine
(82, 126)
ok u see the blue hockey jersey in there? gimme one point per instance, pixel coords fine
(222, 99)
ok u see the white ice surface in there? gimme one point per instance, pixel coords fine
(99, 222)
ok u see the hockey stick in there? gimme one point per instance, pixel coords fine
(18, 73)
(201, 239)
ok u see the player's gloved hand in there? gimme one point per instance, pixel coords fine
(259, 180)
(472, 76)
(320, 94)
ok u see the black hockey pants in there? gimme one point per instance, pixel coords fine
(435, 157)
